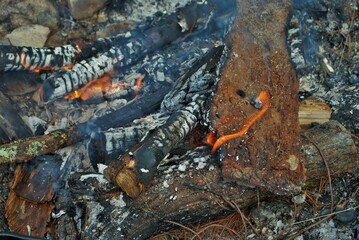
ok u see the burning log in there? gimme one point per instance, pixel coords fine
(125, 52)
(188, 58)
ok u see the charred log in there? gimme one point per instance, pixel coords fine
(189, 58)
(134, 171)
(126, 52)
(21, 58)
(190, 189)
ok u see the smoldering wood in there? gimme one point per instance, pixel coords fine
(190, 189)
(134, 171)
(270, 149)
(189, 59)
(11, 59)
(136, 46)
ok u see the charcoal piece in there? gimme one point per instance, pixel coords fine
(106, 146)
(14, 58)
(37, 180)
(19, 82)
(3, 137)
(10, 121)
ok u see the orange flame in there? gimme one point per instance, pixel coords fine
(264, 97)
(139, 84)
(211, 138)
(102, 84)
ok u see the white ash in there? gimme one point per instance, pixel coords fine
(61, 124)
(165, 184)
(99, 177)
(182, 167)
(34, 122)
(138, 11)
(118, 201)
(101, 167)
(58, 215)
(144, 170)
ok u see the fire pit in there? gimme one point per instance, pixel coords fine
(150, 104)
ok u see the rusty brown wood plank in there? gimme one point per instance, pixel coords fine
(268, 155)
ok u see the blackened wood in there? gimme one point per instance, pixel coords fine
(106, 146)
(136, 46)
(14, 58)
(11, 123)
(185, 61)
(199, 193)
(32, 191)
(134, 171)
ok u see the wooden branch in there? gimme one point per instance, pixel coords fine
(192, 189)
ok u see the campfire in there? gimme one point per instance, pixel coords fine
(179, 117)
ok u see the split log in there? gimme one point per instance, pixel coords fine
(313, 110)
(190, 189)
(11, 124)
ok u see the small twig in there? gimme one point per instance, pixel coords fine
(328, 173)
(354, 136)
(326, 215)
(244, 218)
(184, 227)
(221, 226)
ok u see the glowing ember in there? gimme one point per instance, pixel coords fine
(103, 85)
(139, 84)
(211, 138)
(264, 98)
(41, 68)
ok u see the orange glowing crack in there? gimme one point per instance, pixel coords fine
(264, 98)
(139, 84)
(102, 84)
